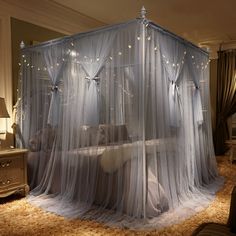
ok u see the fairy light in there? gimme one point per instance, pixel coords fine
(73, 53)
(119, 53)
(129, 46)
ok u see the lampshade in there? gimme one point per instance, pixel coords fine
(3, 109)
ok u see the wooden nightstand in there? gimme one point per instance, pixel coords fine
(13, 172)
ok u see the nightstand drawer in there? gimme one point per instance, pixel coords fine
(11, 163)
(13, 175)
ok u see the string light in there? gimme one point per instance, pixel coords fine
(73, 53)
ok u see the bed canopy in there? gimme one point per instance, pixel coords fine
(117, 123)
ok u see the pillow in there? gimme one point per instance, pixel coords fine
(42, 139)
(88, 136)
(112, 134)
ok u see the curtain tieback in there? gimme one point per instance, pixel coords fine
(174, 88)
(89, 79)
(54, 88)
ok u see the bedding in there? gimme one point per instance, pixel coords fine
(111, 147)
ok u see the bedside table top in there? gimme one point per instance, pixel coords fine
(12, 151)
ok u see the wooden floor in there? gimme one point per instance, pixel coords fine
(18, 217)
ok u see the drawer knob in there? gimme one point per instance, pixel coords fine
(3, 164)
(8, 163)
(8, 181)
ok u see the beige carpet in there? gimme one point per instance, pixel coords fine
(17, 217)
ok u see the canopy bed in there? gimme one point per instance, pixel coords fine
(117, 121)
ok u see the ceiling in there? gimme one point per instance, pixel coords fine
(200, 21)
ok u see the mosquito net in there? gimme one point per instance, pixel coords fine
(118, 127)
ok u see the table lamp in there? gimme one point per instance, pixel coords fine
(3, 111)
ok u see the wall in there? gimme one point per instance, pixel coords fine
(29, 33)
(46, 14)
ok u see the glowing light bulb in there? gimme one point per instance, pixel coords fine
(73, 53)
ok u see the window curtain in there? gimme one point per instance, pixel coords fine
(226, 97)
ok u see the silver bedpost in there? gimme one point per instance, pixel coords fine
(143, 12)
(143, 36)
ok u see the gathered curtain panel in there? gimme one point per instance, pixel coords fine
(93, 52)
(55, 58)
(226, 97)
(173, 56)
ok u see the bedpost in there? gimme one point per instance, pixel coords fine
(143, 12)
(143, 36)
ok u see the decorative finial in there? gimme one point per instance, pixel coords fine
(143, 12)
(22, 44)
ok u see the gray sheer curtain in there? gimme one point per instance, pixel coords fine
(117, 125)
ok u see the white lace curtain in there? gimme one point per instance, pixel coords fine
(117, 123)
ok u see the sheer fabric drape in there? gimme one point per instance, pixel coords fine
(131, 145)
